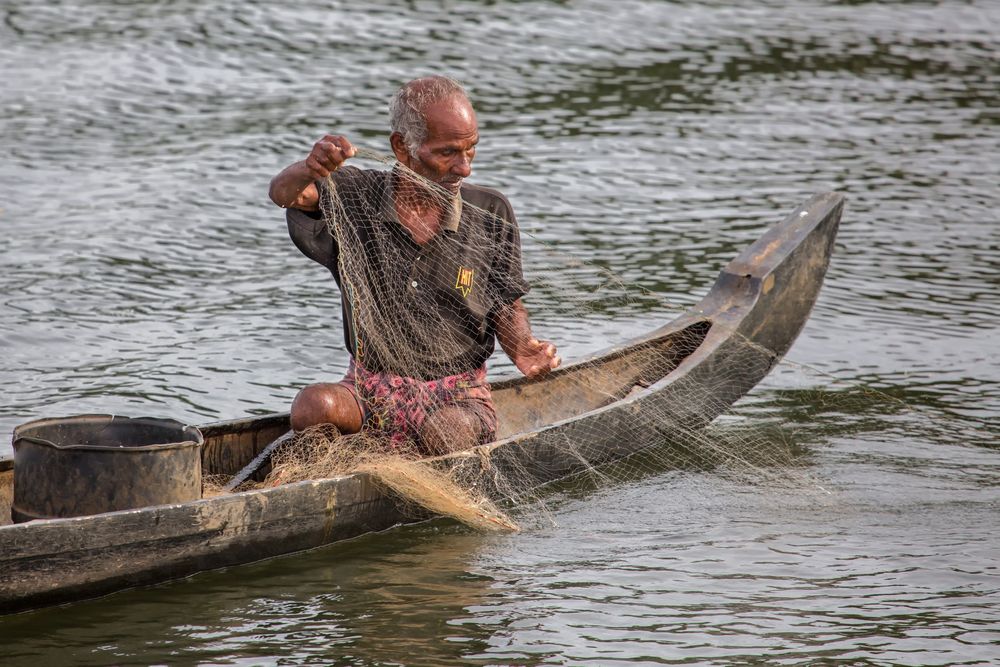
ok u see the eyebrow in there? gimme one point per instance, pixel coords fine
(456, 144)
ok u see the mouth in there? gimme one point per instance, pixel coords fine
(449, 187)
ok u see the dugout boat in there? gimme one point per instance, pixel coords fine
(685, 373)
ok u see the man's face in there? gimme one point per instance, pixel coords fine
(445, 158)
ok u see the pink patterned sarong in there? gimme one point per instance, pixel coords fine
(396, 407)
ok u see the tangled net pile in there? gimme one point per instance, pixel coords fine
(321, 451)
(402, 328)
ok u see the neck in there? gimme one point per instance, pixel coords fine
(418, 210)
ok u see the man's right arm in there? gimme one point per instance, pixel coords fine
(295, 186)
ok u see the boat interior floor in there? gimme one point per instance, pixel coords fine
(525, 406)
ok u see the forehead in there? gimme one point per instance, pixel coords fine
(451, 119)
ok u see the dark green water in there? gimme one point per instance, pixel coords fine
(142, 271)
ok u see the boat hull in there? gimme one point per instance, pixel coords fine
(739, 331)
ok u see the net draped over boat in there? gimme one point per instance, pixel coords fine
(430, 323)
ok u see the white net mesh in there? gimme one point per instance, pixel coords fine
(424, 276)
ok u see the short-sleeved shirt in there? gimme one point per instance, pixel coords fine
(423, 311)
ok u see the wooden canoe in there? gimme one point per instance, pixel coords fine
(685, 373)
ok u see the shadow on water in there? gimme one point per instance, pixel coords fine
(398, 597)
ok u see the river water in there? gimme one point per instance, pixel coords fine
(143, 271)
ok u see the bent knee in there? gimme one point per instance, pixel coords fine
(326, 403)
(310, 406)
(449, 430)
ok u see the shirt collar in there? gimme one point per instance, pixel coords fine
(449, 222)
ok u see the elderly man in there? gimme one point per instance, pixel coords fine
(443, 254)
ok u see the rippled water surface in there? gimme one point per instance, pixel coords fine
(143, 271)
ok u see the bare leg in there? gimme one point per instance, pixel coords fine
(450, 429)
(326, 403)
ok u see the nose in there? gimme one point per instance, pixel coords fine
(462, 166)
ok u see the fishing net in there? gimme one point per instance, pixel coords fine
(322, 451)
(425, 276)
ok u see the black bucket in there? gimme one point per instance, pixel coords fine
(74, 466)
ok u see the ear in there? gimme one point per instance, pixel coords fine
(399, 148)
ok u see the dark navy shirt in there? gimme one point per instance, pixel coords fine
(424, 311)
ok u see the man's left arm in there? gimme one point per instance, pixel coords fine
(533, 357)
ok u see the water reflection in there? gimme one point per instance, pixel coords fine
(329, 605)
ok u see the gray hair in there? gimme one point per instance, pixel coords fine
(408, 107)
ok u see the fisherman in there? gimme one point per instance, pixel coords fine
(471, 294)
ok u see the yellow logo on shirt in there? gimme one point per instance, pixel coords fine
(464, 282)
